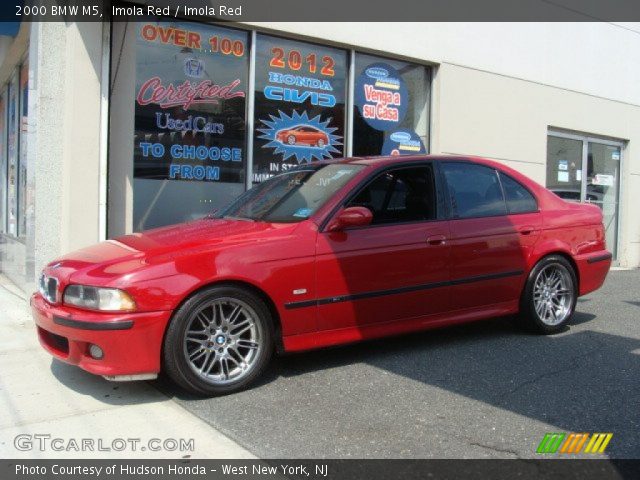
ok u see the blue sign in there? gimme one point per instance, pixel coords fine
(381, 96)
(403, 142)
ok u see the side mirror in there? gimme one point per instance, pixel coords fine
(351, 217)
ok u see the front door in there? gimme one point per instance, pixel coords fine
(396, 268)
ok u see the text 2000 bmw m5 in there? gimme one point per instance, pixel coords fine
(324, 254)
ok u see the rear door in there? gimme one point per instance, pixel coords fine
(489, 244)
(397, 267)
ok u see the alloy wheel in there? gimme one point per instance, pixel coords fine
(553, 294)
(222, 341)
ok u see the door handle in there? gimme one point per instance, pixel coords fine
(527, 230)
(436, 240)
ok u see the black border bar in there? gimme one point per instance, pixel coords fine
(339, 10)
(353, 469)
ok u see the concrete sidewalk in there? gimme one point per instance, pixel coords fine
(40, 395)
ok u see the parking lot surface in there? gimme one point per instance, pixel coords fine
(484, 390)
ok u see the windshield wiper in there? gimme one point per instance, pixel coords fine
(233, 217)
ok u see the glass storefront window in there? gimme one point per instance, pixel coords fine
(193, 108)
(23, 192)
(3, 161)
(391, 107)
(12, 157)
(190, 128)
(299, 104)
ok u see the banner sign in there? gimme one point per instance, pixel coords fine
(403, 142)
(191, 88)
(299, 104)
(381, 96)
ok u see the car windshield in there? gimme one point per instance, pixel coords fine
(292, 196)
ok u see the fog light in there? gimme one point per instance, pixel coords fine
(96, 352)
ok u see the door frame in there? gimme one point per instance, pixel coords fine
(586, 138)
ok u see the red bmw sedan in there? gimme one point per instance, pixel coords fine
(324, 254)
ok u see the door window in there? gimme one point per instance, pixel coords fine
(402, 195)
(474, 190)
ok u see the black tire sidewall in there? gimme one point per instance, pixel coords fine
(175, 364)
(527, 306)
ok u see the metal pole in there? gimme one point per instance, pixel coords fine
(251, 94)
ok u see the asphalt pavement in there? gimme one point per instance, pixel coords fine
(483, 390)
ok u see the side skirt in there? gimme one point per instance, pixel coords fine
(326, 338)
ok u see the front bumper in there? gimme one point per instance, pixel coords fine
(131, 342)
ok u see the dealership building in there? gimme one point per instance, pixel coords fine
(108, 129)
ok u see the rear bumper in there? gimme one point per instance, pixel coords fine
(131, 342)
(592, 270)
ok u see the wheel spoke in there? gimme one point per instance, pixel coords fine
(235, 356)
(206, 359)
(224, 370)
(241, 328)
(197, 354)
(247, 344)
(203, 319)
(196, 337)
(233, 318)
(219, 314)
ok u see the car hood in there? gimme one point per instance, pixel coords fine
(126, 254)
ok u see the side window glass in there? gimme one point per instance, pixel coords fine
(402, 195)
(519, 199)
(474, 190)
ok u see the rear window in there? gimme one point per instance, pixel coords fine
(519, 199)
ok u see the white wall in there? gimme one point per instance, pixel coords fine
(66, 155)
(595, 58)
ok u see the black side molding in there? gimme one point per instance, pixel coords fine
(600, 258)
(81, 325)
(396, 291)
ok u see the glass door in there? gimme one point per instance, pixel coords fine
(587, 169)
(603, 184)
(564, 167)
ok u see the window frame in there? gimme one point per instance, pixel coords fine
(372, 176)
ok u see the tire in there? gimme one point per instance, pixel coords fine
(219, 341)
(291, 140)
(549, 296)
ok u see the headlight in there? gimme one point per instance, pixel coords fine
(97, 298)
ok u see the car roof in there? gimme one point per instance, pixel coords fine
(391, 159)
